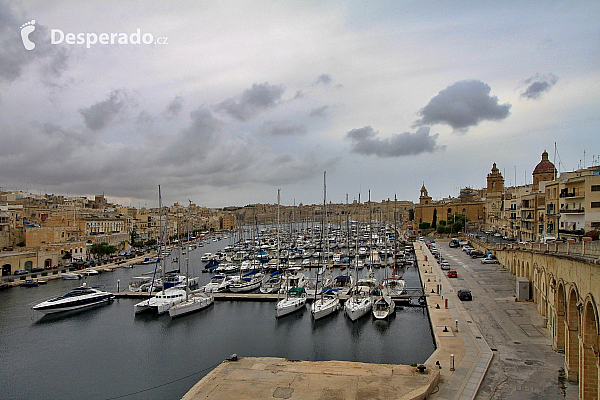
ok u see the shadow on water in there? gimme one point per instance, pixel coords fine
(85, 314)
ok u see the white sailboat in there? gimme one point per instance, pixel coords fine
(295, 300)
(360, 302)
(165, 299)
(193, 302)
(328, 302)
(384, 306)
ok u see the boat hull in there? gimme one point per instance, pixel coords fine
(77, 304)
(289, 307)
(191, 305)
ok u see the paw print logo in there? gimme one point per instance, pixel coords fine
(26, 29)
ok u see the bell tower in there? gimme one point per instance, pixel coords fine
(495, 181)
(424, 198)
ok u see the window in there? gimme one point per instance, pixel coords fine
(595, 204)
(595, 188)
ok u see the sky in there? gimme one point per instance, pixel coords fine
(225, 102)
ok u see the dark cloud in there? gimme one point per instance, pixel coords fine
(258, 98)
(324, 79)
(174, 108)
(14, 58)
(462, 105)
(538, 84)
(365, 141)
(99, 115)
(319, 111)
(282, 128)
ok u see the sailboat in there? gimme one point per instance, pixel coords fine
(295, 300)
(360, 302)
(165, 299)
(328, 302)
(195, 301)
(273, 283)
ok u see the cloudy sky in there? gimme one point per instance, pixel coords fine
(242, 98)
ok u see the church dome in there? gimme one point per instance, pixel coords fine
(544, 166)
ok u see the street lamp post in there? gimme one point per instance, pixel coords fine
(557, 226)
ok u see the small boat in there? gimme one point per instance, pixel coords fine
(78, 298)
(89, 272)
(384, 307)
(29, 283)
(295, 300)
(70, 276)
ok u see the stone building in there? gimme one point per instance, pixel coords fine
(469, 203)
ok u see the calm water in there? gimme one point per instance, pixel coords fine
(106, 353)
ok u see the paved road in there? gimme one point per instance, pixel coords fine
(524, 365)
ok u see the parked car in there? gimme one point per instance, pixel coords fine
(467, 248)
(452, 274)
(489, 260)
(21, 272)
(477, 254)
(444, 265)
(37, 269)
(465, 294)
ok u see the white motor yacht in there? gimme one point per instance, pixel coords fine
(78, 298)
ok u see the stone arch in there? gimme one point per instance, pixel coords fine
(572, 334)
(543, 297)
(47, 263)
(6, 269)
(28, 265)
(589, 352)
(536, 286)
(526, 272)
(560, 320)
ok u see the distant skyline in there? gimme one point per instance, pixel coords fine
(239, 98)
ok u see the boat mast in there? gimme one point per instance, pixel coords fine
(278, 247)
(187, 259)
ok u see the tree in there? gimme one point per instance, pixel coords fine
(102, 249)
(593, 234)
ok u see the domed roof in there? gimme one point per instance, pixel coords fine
(545, 165)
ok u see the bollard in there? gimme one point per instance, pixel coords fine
(118, 284)
(451, 362)
(456, 325)
(446, 303)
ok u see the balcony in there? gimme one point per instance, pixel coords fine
(572, 211)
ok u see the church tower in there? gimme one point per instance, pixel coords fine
(544, 171)
(495, 181)
(424, 198)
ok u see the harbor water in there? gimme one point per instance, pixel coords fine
(107, 353)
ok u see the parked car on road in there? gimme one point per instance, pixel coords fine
(452, 274)
(37, 269)
(477, 254)
(444, 265)
(465, 294)
(21, 272)
(489, 260)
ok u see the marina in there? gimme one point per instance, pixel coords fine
(112, 337)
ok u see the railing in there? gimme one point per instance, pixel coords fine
(573, 211)
(589, 250)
